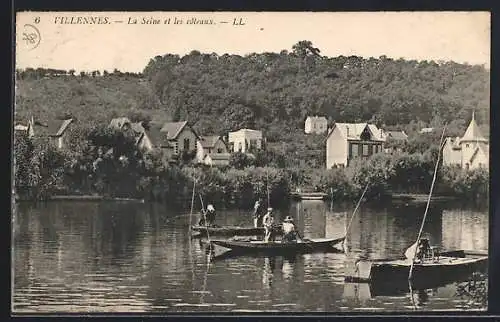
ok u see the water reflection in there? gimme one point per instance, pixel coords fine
(108, 257)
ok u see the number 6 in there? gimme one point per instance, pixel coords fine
(37, 19)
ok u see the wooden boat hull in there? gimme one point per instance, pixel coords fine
(279, 248)
(383, 274)
(228, 231)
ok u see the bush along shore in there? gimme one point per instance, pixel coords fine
(104, 162)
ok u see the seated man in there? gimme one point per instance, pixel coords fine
(289, 231)
(422, 251)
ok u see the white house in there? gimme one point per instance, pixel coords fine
(316, 124)
(209, 145)
(245, 140)
(471, 151)
(348, 141)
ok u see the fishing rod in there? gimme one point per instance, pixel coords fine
(267, 187)
(204, 217)
(352, 216)
(356, 208)
(427, 206)
(192, 206)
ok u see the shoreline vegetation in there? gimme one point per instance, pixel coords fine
(106, 163)
(271, 92)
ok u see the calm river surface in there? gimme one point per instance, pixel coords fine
(125, 257)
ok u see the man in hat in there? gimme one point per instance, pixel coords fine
(209, 215)
(257, 213)
(289, 230)
(268, 221)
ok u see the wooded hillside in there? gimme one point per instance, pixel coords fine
(274, 92)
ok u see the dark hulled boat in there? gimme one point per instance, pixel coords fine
(448, 267)
(278, 247)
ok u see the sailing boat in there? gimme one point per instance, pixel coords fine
(422, 266)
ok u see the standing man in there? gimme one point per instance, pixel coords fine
(257, 213)
(268, 221)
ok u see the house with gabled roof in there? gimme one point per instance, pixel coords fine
(348, 141)
(180, 137)
(470, 151)
(142, 140)
(55, 131)
(208, 145)
(27, 129)
(315, 124)
(394, 141)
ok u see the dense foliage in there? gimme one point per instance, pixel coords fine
(269, 91)
(273, 92)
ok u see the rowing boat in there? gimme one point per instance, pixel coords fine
(278, 247)
(228, 230)
(449, 266)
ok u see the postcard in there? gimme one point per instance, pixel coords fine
(221, 162)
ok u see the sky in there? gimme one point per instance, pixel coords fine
(61, 43)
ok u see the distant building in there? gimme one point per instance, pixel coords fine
(217, 159)
(348, 141)
(27, 129)
(471, 151)
(245, 140)
(209, 145)
(426, 130)
(395, 141)
(315, 124)
(142, 139)
(180, 136)
(55, 131)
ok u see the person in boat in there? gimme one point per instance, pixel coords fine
(289, 230)
(257, 213)
(421, 251)
(268, 221)
(208, 215)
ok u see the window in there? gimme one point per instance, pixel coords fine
(219, 150)
(176, 147)
(186, 145)
(370, 149)
(353, 150)
(365, 149)
(240, 147)
(467, 145)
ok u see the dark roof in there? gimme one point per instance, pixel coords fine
(397, 135)
(209, 141)
(52, 128)
(173, 129)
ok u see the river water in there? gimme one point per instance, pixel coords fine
(108, 257)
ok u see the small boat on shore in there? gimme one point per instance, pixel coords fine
(278, 247)
(227, 231)
(448, 267)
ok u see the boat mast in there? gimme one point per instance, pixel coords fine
(267, 188)
(428, 203)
